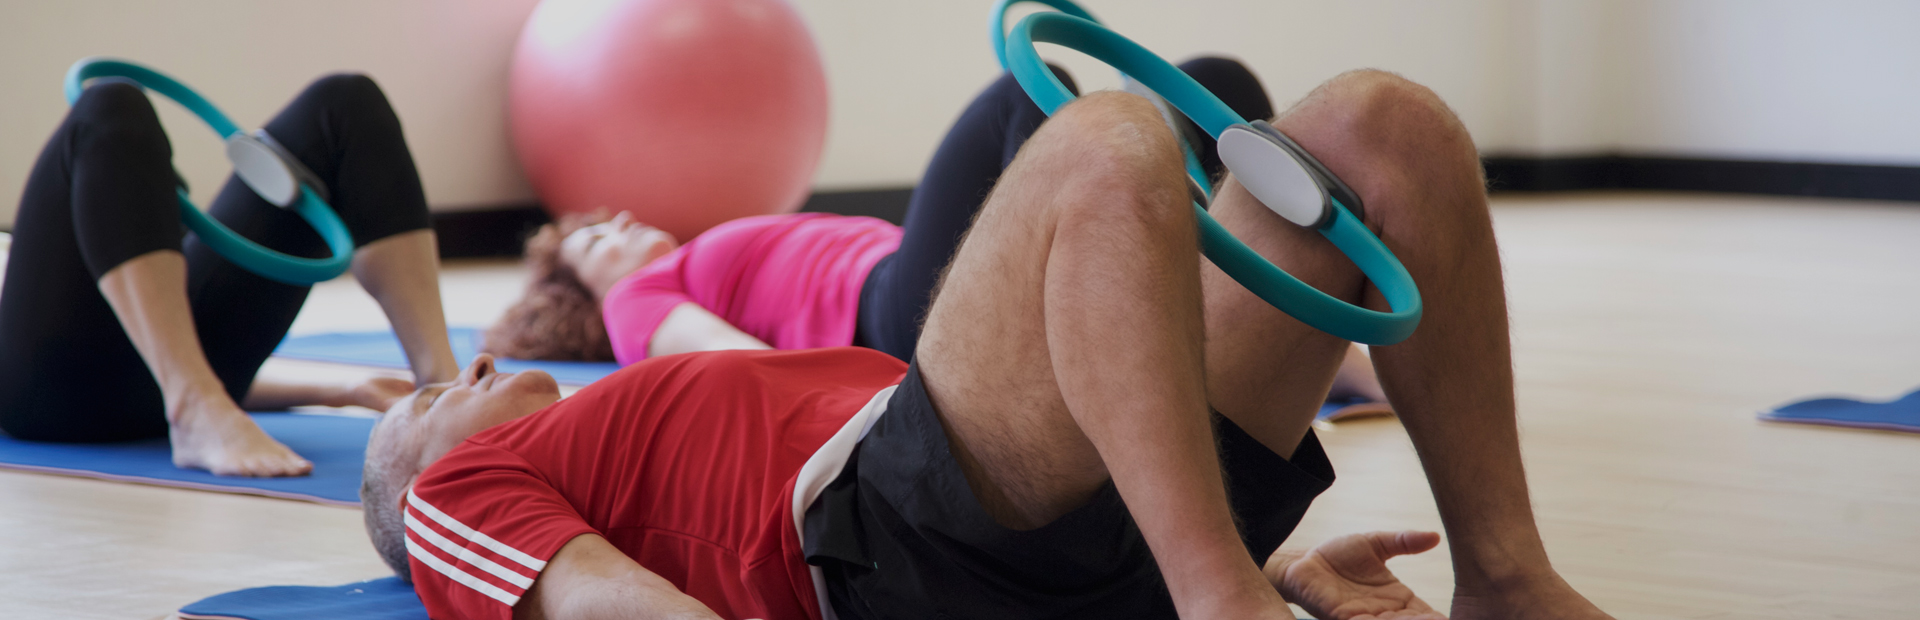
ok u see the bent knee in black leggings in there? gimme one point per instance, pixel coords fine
(354, 92)
(121, 180)
(344, 129)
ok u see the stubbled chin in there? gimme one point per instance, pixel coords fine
(540, 383)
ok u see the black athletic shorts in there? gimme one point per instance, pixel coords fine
(899, 533)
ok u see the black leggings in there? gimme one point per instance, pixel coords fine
(103, 192)
(897, 293)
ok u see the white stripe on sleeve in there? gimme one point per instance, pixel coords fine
(468, 533)
(464, 554)
(460, 576)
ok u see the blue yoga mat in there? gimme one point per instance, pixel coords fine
(1335, 410)
(336, 445)
(382, 349)
(1902, 414)
(375, 599)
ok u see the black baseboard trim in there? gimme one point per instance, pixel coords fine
(503, 231)
(494, 232)
(1825, 180)
(889, 204)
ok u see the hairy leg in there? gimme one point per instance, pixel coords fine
(1065, 348)
(1451, 383)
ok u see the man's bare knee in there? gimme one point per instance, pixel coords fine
(1124, 128)
(1387, 136)
(1115, 154)
(1377, 101)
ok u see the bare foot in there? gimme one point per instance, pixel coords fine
(215, 435)
(379, 393)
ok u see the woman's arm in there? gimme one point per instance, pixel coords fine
(589, 579)
(376, 393)
(402, 272)
(689, 328)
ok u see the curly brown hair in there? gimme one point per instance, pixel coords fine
(557, 317)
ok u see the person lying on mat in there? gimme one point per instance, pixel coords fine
(116, 328)
(620, 290)
(1084, 395)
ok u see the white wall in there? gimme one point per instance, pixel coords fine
(443, 63)
(1787, 80)
(1837, 80)
(1763, 79)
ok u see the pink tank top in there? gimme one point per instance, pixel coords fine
(793, 281)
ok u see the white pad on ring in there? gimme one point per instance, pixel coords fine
(261, 167)
(1273, 175)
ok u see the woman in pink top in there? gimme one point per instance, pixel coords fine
(623, 290)
(780, 281)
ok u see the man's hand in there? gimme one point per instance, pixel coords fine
(1347, 578)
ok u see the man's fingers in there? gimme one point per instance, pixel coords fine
(1389, 544)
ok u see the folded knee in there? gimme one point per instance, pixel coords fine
(118, 107)
(1115, 142)
(1385, 93)
(353, 93)
(346, 88)
(1393, 108)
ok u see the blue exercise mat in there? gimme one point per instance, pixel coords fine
(382, 349)
(374, 599)
(336, 445)
(1335, 410)
(1902, 414)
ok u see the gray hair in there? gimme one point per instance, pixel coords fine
(381, 483)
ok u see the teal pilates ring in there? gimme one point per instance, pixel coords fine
(1281, 174)
(999, 35)
(266, 167)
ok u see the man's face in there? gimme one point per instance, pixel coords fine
(435, 418)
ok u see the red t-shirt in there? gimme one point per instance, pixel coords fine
(698, 466)
(793, 281)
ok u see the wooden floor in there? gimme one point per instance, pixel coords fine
(1648, 330)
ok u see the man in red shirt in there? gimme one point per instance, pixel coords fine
(1095, 422)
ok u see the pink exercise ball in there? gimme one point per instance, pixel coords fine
(686, 113)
